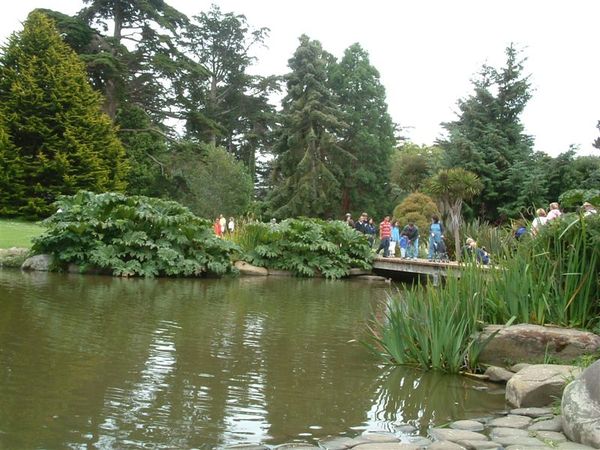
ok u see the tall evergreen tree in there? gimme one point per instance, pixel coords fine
(488, 138)
(54, 120)
(136, 66)
(369, 137)
(308, 168)
(11, 172)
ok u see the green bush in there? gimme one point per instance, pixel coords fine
(307, 247)
(419, 208)
(132, 236)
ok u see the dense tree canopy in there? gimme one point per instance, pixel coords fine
(226, 106)
(175, 86)
(488, 139)
(412, 164)
(309, 166)
(61, 141)
(369, 136)
(211, 181)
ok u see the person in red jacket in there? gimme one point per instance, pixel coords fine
(217, 227)
(385, 234)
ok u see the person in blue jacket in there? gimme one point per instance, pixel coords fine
(436, 232)
(395, 236)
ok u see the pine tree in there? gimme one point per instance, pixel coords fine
(369, 137)
(308, 169)
(488, 137)
(53, 118)
(11, 172)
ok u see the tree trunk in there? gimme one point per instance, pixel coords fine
(455, 217)
(345, 201)
(213, 107)
(112, 100)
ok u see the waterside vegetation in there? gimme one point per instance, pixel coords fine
(147, 237)
(549, 279)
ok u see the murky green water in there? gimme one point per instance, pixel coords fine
(97, 362)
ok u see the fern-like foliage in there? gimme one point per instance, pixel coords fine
(307, 247)
(133, 236)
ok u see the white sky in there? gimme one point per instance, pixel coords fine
(428, 50)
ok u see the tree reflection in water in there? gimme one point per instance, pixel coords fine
(106, 362)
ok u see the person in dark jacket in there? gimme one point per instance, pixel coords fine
(411, 231)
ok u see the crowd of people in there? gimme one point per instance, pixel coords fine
(543, 217)
(403, 241)
(395, 239)
(222, 225)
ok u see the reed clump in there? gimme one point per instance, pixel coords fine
(551, 278)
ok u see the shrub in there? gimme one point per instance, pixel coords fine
(132, 236)
(419, 208)
(307, 247)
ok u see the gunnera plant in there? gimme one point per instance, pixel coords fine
(307, 247)
(132, 236)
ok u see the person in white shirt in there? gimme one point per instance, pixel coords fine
(554, 211)
(588, 209)
(222, 223)
(540, 220)
(230, 225)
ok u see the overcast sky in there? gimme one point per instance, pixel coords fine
(427, 52)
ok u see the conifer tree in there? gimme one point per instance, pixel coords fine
(53, 118)
(11, 172)
(488, 138)
(308, 169)
(369, 137)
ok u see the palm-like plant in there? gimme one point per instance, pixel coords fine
(451, 187)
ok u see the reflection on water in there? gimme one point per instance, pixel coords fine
(97, 362)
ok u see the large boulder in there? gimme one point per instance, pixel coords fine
(539, 384)
(40, 263)
(581, 408)
(249, 269)
(533, 343)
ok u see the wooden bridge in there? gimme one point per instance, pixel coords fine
(398, 266)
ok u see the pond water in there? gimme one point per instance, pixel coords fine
(101, 362)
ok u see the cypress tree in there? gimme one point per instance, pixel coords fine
(308, 169)
(488, 139)
(53, 117)
(369, 137)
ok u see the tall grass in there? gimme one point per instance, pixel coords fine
(549, 279)
(566, 256)
(432, 328)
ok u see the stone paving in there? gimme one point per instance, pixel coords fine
(518, 429)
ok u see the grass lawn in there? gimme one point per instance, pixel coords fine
(15, 233)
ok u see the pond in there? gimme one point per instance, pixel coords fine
(101, 362)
